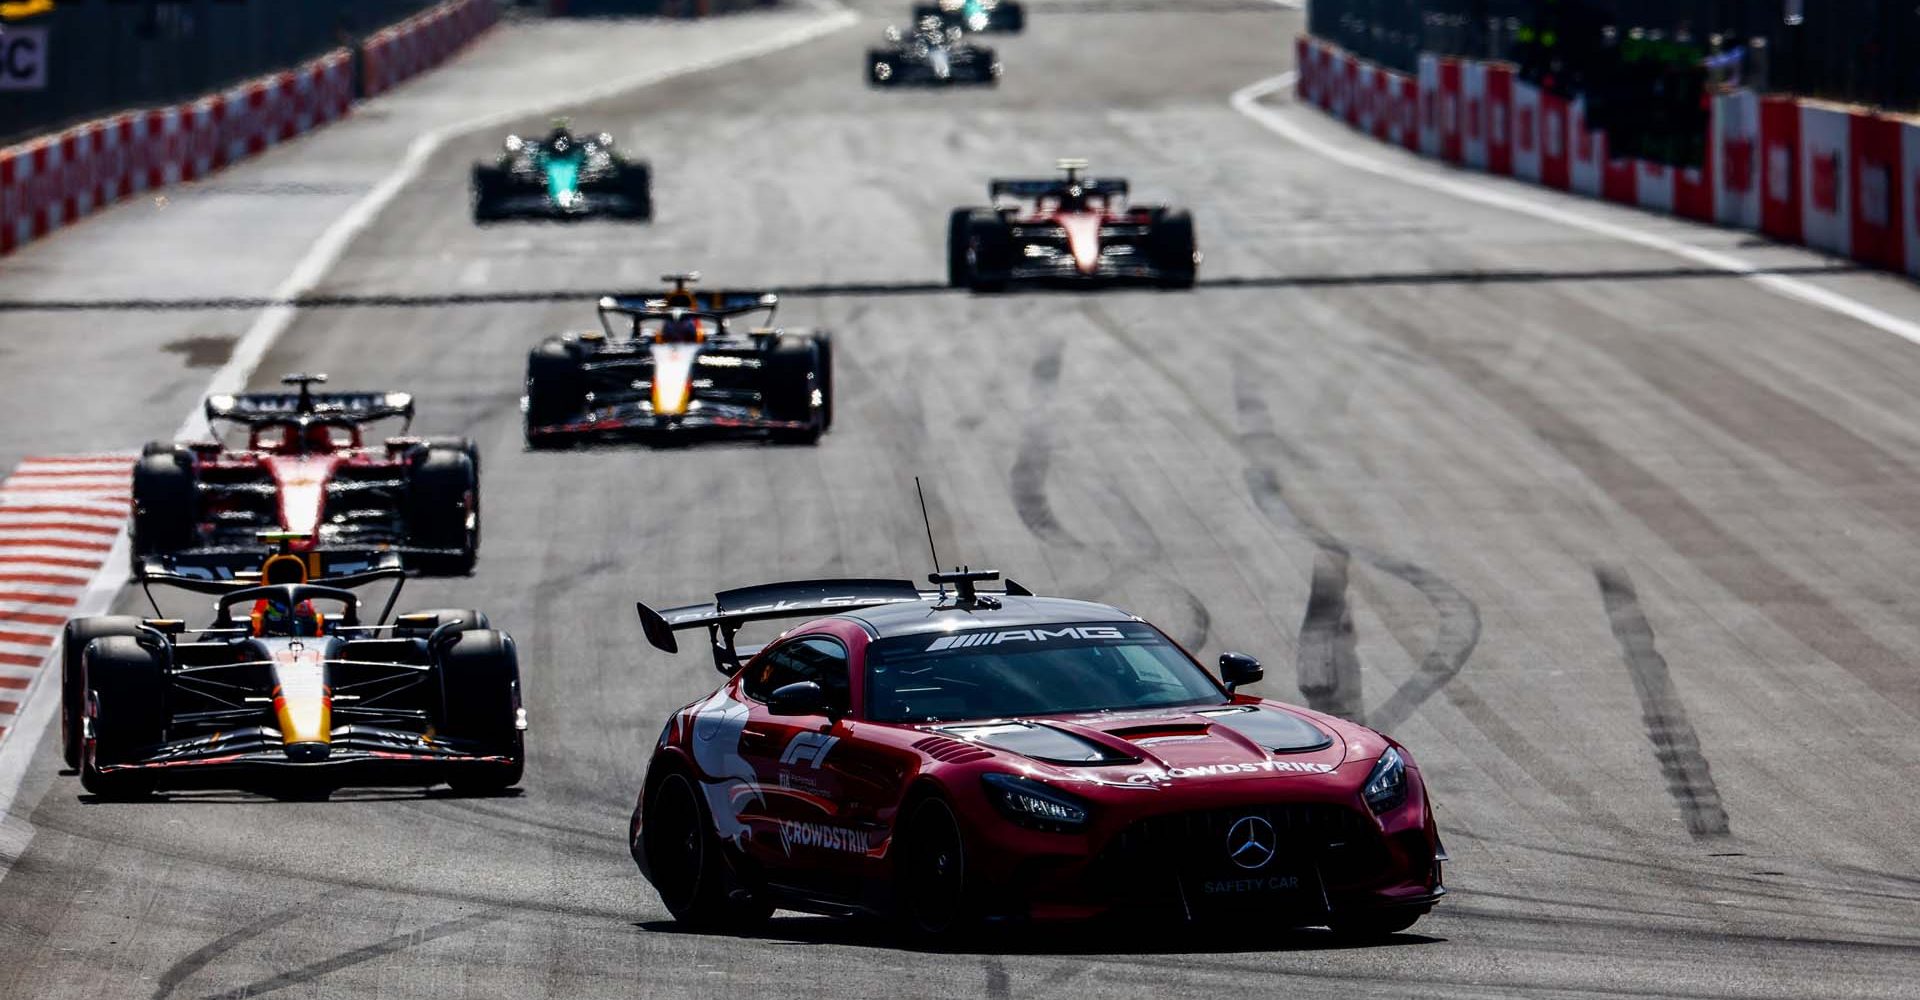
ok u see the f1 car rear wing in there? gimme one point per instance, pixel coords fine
(225, 573)
(279, 407)
(731, 609)
(718, 305)
(1028, 189)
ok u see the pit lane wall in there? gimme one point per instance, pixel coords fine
(1835, 178)
(55, 180)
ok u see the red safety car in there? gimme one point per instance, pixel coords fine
(955, 756)
(301, 463)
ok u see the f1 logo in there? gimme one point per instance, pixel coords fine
(811, 748)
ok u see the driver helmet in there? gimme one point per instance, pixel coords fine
(273, 618)
(561, 137)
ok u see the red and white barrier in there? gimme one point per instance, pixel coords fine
(423, 41)
(49, 182)
(1837, 179)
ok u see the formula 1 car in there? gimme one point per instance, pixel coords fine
(307, 468)
(674, 366)
(1069, 229)
(289, 686)
(933, 54)
(945, 758)
(562, 176)
(977, 15)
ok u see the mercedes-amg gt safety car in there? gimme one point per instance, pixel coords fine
(290, 685)
(1070, 229)
(933, 53)
(953, 756)
(977, 15)
(562, 176)
(301, 462)
(674, 366)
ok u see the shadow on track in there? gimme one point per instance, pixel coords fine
(1106, 937)
(864, 289)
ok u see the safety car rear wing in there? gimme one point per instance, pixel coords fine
(729, 610)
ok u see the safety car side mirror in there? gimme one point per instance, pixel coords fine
(798, 698)
(1239, 668)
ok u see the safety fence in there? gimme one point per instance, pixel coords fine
(54, 180)
(1839, 179)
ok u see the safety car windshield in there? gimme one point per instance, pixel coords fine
(1035, 670)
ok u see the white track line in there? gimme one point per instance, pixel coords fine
(17, 748)
(1246, 100)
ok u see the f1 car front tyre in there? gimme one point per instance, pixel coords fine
(480, 687)
(1173, 249)
(959, 239)
(165, 503)
(443, 512)
(1010, 17)
(794, 371)
(636, 189)
(127, 686)
(489, 188)
(73, 686)
(684, 860)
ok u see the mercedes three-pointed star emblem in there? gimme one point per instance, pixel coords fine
(1251, 842)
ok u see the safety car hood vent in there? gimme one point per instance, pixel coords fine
(1042, 743)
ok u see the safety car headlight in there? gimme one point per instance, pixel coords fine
(1033, 804)
(1386, 787)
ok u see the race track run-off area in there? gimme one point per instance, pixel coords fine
(1617, 541)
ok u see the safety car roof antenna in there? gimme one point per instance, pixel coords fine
(928, 521)
(306, 383)
(963, 579)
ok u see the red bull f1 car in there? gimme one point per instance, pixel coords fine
(291, 684)
(1071, 229)
(674, 367)
(949, 757)
(562, 176)
(303, 463)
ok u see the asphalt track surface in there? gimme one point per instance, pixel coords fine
(1620, 548)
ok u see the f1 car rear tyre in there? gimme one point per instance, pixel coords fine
(1012, 16)
(556, 391)
(636, 185)
(1172, 248)
(462, 445)
(443, 512)
(73, 688)
(129, 693)
(959, 238)
(490, 185)
(823, 347)
(165, 504)
(936, 899)
(480, 687)
(468, 618)
(792, 373)
(990, 251)
(684, 860)
(1373, 926)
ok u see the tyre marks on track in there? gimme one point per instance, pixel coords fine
(1095, 572)
(184, 969)
(1327, 665)
(1675, 744)
(379, 949)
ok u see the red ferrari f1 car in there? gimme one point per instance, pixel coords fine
(1071, 229)
(957, 756)
(305, 467)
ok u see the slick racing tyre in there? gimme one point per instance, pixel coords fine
(165, 503)
(959, 240)
(823, 349)
(128, 688)
(489, 188)
(1172, 248)
(636, 190)
(468, 618)
(989, 251)
(480, 688)
(936, 895)
(1010, 17)
(443, 512)
(556, 392)
(684, 860)
(73, 691)
(793, 370)
(462, 445)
